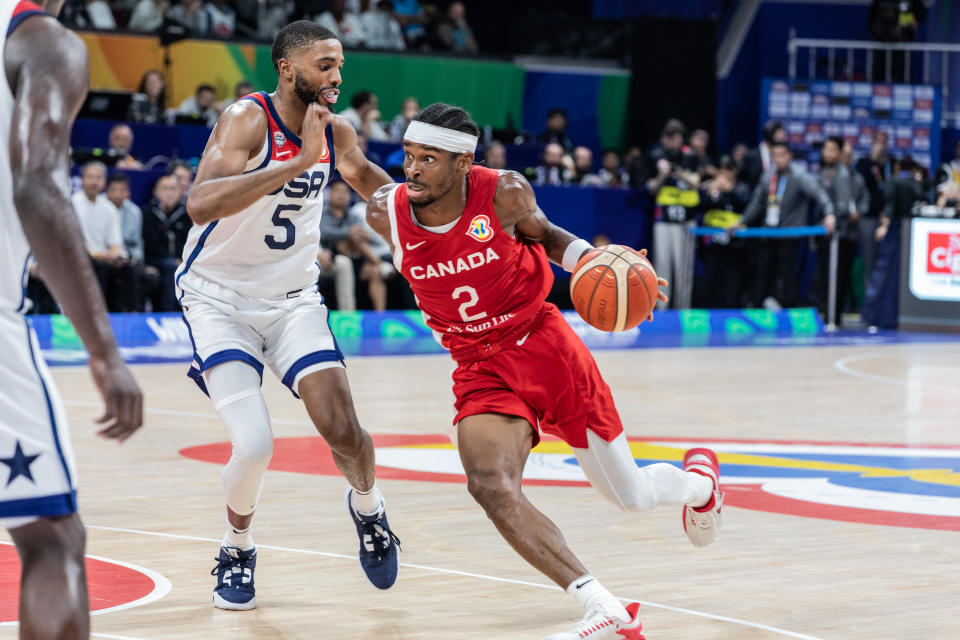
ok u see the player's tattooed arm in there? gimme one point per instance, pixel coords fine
(516, 206)
(221, 188)
(362, 175)
(377, 216)
(46, 67)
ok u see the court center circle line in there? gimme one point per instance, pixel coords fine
(843, 366)
(480, 576)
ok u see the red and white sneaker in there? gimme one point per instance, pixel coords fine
(600, 625)
(702, 524)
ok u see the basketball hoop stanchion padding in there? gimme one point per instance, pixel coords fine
(792, 232)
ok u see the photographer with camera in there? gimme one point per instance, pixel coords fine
(672, 181)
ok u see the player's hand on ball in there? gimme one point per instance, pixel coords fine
(123, 411)
(661, 296)
(313, 135)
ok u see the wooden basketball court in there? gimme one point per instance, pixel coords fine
(773, 574)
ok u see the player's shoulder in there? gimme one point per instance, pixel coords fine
(40, 37)
(245, 111)
(378, 203)
(512, 187)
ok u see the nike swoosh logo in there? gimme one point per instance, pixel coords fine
(520, 344)
(284, 153)
(411, 247)
(585, 582)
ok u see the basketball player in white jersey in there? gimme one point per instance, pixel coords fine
(248, 287)
(43, 82)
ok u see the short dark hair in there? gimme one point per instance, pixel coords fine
(298, 35)
(448, 116)
(557, 111)
(674, 127)
(770, 130)
(118, 177)
(205, 87)
(177, 164)
(774, 145)
(837, 140)
(361, 98)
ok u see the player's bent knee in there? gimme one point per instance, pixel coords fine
(494, 491)
(254, 454)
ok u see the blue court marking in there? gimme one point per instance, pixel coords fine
(881, 461)
(760, 232)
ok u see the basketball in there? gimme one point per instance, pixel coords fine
(613, 288)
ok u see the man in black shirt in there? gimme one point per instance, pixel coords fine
(556, 130)
(165, 228)
(876, 169)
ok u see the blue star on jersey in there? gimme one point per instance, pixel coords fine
(19, 464)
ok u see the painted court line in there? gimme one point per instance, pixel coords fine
(843, 366)
(479, 576)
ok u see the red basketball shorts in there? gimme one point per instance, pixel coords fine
(548, 377)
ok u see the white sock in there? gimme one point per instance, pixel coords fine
(367, 503)
(702, 489)
(588, 591)
(241, 539)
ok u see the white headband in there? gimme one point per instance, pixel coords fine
(440, 137)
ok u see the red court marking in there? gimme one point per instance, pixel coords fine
(311, 455)
(110, 584)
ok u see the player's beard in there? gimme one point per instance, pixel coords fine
(308, 94)
(426, 202)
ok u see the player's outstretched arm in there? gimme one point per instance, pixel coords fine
(516, 206)
(221, 188)
(46, 67)
(362, 175)
(377, 216)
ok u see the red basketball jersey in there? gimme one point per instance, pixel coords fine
(476, 284)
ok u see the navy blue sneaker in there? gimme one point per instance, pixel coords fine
(378, 546)
(234, 573)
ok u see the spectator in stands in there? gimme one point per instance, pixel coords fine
(372, 156)
(342, 233)
(382, 31)
(722, 201)
(120, 143)
(241, 89)
(583, 168)
(412, 19)
(612, 174)
(344, 23)
(201, 106)
(184, 175)
(192, 15)
(699, 148)
(903, 190)
(96, 14)
(495, 155)
(165, 228)
(364, 115)
(149, 103)
(556, 130)
(671, 178)
(757, 161)
(454, 31)
(398, 126)
(552, 169)
(148, 15)
(131, 228)
(782, 199)
(737, 154)
(223, 20)
(837, 180)
(876, 169)
(100, 225)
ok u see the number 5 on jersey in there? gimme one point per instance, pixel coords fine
(472, 300)
(290, 230)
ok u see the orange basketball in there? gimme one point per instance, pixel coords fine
(613, 288)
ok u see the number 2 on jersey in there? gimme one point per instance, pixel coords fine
(290, 235)
(472, 300)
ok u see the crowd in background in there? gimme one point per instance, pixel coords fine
(393, 25)
(856, 198)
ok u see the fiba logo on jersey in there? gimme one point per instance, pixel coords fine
(480, 229)
(279, 139)
(944, 253)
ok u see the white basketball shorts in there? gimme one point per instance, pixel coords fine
(37, 468)
(291, 335)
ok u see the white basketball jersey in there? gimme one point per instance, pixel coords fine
(14, 250)
(270, 248)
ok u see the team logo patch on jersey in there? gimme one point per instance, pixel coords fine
(279, 138)
(480, 229)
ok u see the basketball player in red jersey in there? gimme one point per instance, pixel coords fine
(475, 247)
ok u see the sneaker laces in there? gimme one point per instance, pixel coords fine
(380, 536)
(231, 577)
(594, 621)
